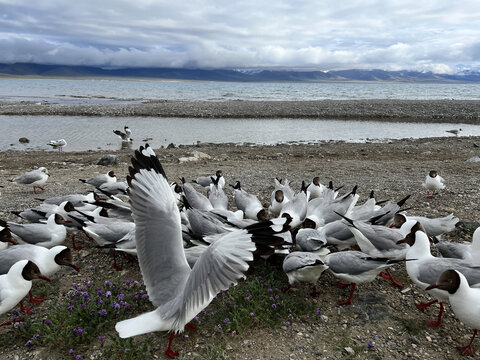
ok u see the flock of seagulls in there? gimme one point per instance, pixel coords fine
(190, 245)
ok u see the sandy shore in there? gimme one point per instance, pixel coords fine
(451, 111)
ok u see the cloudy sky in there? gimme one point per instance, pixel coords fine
(430, 35)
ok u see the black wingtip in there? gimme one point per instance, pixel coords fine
(344, 217)
(402, 202)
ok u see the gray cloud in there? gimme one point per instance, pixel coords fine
(309, 34)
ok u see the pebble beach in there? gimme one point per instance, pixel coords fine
(392, 170)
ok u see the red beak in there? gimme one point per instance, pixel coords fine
(401, 242)
(43, 277)
(433, 286)
(13, 242)
(75, 267)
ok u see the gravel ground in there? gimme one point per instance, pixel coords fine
(451, 111)
(379, 311)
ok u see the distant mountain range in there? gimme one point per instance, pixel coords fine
(65, 71)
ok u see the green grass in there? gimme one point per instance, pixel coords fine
(86, 316)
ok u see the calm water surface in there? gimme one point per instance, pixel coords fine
(86, 133)
(117, 91)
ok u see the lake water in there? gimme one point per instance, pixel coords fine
(115, 91)
(87, 133)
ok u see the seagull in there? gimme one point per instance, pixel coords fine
(281, 194)
(15, 284)
(58, 144)
(5, 238)
(101, 179)
(424, 269)
(47, 235)
(468, 252)
(433, 182)
(37, 178)
(464, 301)
(248, 203)
(303, 267)
(355, 267)
(125, 134)
(177, 291)
(433, 226)
(316, 188)
(47, 260)
(454, 131)
(205, 181)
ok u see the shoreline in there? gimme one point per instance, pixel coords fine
(426, 111)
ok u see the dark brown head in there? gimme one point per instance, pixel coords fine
(410, 238)
(31, 271)
(279, 196)
(316, 181)
(218, 173)
(65, 257)
(111, 173)
(6, 236)
(399, 220)
(433, 173)
(59, 220)
(69, 207)
(309, 224)
(262, 215)
(448, 281)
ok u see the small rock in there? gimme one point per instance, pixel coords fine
(171, 146)
(107, 160)
(349, 350)
(24, 140)
(474, 159)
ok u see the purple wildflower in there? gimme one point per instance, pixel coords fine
(370, 345)
(71, 351)
(78, 357)
(127, 350)
(270, 291)
(229, 303)
(47, 322)
(318, 312)
(101, 338)
(116, 305)
(144, 296)
(108, 283)
(29, 343)
(36, 336)
(121, 296)
(252, 314)
(102, 312)
(185, 336)
(274, 306)
(127, 282)
(287, 323)
(91, 267)
(108, 293)
(79, 331)
(226, 320)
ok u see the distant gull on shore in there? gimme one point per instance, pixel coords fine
(37, 178)
(125, 134)
(454, 131)
(57, 144)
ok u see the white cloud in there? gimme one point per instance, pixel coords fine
(428, 35)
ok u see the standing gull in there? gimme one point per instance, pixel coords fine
(37, 178)
(57, 144)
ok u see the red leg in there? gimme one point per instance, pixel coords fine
(169, 352)
(33, 300)
(315, 293)
(28, 311)
(342, 285)
(439, 318)
(75, 247)
(423, 305)
(115, 265)
(468, 349)
(389, 276)
(6, 323)
(349, 299)
(191, 326)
